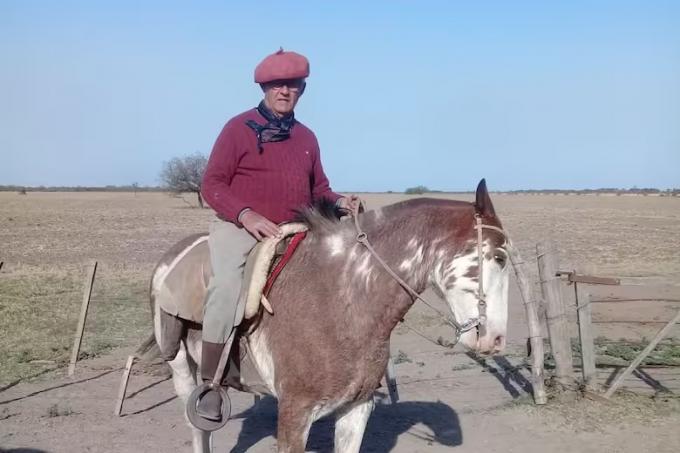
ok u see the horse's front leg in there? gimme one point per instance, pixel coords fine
(350, 426)
(295, 419)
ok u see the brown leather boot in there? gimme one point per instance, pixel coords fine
(210, 404)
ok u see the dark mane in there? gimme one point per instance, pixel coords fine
(323, 214)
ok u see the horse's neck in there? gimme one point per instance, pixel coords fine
(398, 240)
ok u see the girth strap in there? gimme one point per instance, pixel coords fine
(287, 255)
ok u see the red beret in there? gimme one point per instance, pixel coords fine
(282, 66)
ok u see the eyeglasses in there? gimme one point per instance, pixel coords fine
(293, 85)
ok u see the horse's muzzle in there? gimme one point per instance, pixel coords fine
(491, 344)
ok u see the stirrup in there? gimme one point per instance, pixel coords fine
(203, 423)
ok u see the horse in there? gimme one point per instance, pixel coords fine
(325, 348)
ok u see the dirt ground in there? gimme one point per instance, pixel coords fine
(449, 400)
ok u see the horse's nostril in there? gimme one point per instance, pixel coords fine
(499, 341)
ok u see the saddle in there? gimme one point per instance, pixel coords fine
(181, 298)
(269, 254)
(183, 295)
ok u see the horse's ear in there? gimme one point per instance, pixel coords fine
(483, 204)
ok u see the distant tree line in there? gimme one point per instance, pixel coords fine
(604, 190)
(419, 190)
(182, 175)
(107, 188)
(178, 175)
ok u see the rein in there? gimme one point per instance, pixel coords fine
(458, 328)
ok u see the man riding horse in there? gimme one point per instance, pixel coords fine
(264, 167)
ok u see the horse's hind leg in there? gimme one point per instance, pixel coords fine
(180, 345)
(350, 426)
(184, 379)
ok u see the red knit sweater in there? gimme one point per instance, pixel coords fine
(285, 177)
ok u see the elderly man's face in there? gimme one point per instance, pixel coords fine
(281, 96)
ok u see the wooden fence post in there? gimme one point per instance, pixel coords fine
(585, 331)
(645, 352)
(81, 321)
(555, 313)
(535, 337)
(123, 386)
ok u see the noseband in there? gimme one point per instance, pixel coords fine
(458, 328)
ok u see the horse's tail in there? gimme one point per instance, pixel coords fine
(148, 350)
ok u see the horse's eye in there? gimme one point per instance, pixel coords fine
(501, 259)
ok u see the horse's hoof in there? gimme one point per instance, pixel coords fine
(202, 423)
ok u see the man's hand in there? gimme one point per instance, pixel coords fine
(259, 226)
(350, 203)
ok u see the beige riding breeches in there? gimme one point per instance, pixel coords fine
(229, 247)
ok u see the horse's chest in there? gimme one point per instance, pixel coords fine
(285, 370)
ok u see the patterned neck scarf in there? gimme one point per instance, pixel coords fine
(275, 130)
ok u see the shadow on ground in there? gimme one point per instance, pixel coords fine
(59, 386)
(22, 450)
(508, 375)
(386, 424)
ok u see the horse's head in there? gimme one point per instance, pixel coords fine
(457, 279)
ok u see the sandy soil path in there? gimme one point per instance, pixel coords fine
(449, 402)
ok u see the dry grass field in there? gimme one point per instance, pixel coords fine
(47, 240)
(449, 400)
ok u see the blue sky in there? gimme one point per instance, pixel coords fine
(527, 94)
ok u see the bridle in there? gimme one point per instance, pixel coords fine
(459, 328)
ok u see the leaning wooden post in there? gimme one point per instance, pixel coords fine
(81, 321)
(645, 352)
(555, 313)
(123, 385)
(535, 337)
(585, 332)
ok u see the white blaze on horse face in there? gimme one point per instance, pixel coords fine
(335, 244)
(460, 290)
(496, 289)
